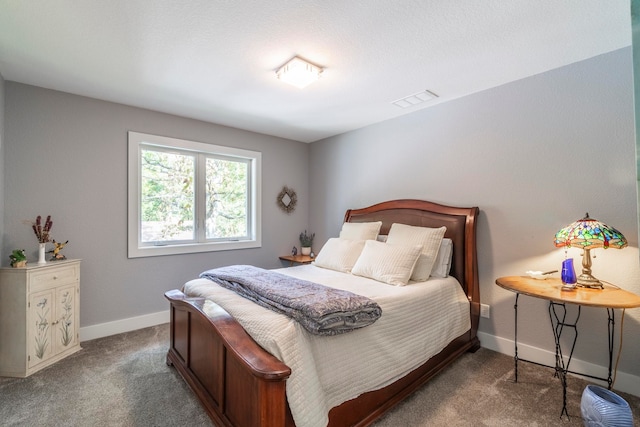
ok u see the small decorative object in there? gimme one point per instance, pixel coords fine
(294, 251)
(312, 255)
(18, 258)
(568, 275)
(306, 241)
(602, 407)
(588, 234)
(42, 233)
(287, 199)
(540, 275)
(57, 247)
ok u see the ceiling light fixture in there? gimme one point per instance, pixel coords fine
(299, 72)
(416, 98)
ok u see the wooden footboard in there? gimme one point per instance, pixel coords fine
(238, 383)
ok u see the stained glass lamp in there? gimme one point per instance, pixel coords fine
(588, 234)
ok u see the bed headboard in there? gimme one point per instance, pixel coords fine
(461, 229)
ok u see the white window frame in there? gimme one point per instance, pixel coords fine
(137, 249)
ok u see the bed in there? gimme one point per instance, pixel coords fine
(241, 384)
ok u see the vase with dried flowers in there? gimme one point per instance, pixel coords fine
(43, 234)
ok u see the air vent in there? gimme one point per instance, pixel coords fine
(415, 99)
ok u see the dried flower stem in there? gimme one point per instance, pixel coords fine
(42, 232)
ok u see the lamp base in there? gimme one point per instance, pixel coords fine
(588, 281)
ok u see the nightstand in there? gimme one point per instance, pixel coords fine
(611, 297)
(297, 259)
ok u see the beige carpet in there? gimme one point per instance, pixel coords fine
(123, 381)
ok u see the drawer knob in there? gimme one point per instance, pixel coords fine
(55, 277)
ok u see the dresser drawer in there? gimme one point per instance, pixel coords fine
(51, 277)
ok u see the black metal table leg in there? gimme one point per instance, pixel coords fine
(610, 332)
(558, 323)
(515, 339)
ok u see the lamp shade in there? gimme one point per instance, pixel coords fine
(588, 233)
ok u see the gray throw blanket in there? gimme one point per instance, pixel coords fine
(320, 309)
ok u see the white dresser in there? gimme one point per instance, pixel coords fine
(39, 316)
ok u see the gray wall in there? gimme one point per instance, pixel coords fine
(3, 254)
(534, 155)
(66, 156)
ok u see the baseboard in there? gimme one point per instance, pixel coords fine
(623, 382)
(124, 325)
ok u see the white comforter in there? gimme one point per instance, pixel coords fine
(418, 321)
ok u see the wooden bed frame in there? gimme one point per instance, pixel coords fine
(241, 385)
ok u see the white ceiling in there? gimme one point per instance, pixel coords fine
(215, 60)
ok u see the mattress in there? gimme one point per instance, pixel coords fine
(418, 321)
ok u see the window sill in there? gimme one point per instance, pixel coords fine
(149, 251)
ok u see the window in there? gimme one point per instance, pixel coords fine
(187, 197)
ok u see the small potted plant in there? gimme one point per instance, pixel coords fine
(306, 240)
(18, 258)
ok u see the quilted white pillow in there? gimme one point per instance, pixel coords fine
(388, 263)
(360, 230)
(428, 238)
(442, 266)
(339, 254)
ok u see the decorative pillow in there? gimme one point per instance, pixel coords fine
(360, 230)
(381, 238)
(385, 262)
(339, 254)
(442, 266)
(428, 238)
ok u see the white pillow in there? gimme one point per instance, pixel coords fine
(339, 254)
(428, 238)
(388, 263)
(360, 230)
(442, 266)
